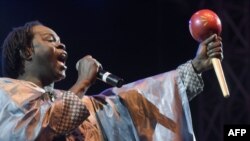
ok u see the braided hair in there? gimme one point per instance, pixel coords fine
(19, 39)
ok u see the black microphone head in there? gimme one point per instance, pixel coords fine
(120, 83)
(110, 78)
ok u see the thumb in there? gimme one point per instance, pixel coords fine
(209, 39)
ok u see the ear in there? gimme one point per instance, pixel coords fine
(26, 54)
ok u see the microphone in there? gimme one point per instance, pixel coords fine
(107, 77)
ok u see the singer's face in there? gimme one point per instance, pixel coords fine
(49, 54)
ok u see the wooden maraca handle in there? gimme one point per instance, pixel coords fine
(220, 76)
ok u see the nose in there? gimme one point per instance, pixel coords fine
(61, 46)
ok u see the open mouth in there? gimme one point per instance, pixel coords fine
(62, 58)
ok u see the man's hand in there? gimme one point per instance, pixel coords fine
(87, 72)
(208, 49)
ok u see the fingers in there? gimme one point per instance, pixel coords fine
(88, 69)
(214, 49)
(212, 38)
(219, 38)
(218, 55)
(97, 63)
(93, 61)
(89, 57)
(216, 44)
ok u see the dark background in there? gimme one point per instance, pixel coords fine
(135, 39)
(132, 39)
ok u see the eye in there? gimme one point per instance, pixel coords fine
(51, 40)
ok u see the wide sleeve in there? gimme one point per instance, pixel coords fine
(26, 116)
(65, 114)
(169, 92)
(183, 80)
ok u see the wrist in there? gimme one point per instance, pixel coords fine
(196, 66)
(80, 87)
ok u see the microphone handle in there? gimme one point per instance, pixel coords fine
(109, 78)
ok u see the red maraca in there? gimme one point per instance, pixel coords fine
(203, 24)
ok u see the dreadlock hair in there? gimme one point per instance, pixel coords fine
(19, 39)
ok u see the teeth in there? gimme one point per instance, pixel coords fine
(63, 65)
